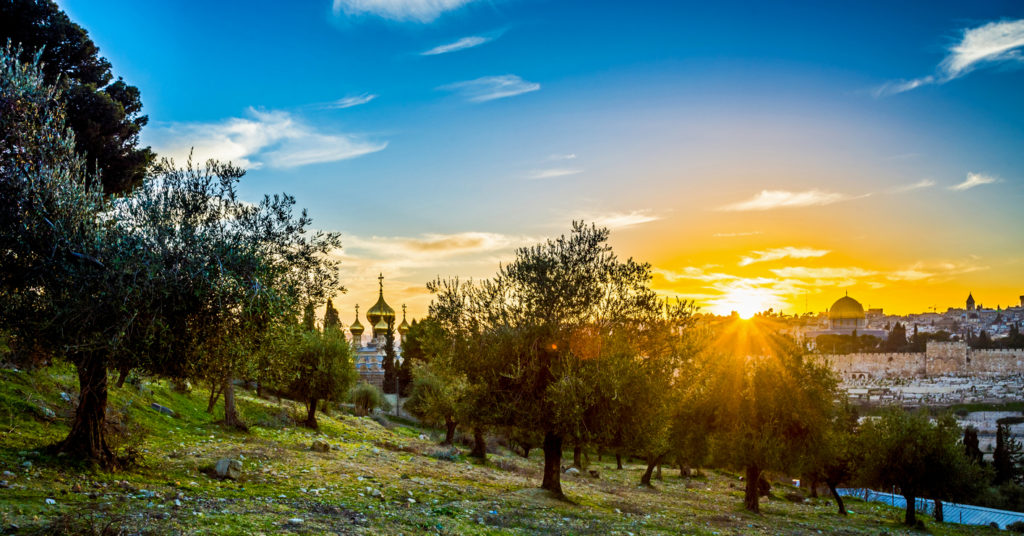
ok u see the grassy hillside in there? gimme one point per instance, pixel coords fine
(374, 480)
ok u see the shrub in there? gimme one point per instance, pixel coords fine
(449, 454)
(366, 398)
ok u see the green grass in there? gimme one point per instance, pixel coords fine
(375, 480)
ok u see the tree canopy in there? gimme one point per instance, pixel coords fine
(104, 114)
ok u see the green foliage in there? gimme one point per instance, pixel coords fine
(180, 279)
(920, 457)
(420, 344)
(1007, 456)
(897, 339)
(309, 317)
(775, 404)
(324, 369)
(104, 115)
(331, 319)
(438, 395)
(367, 398)
(846, 344)
(531, 340)
(390, 360)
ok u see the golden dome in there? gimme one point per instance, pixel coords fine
(381, 311)
(403, 328)
(356, 329)
(380, 328)
(845, 308)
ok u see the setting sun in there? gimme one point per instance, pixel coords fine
(746, 302)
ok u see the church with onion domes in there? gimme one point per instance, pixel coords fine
(369, 354)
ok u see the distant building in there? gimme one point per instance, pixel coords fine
(369, 358)
(846, 317)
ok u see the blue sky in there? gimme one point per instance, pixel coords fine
(437, 135)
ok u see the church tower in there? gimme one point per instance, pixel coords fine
(381, 315)
(970, 302)
(356, 329)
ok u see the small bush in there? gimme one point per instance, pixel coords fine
(506, 465)
(366, 398)
(449, 454)
(1016, 526)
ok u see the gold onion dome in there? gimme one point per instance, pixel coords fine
(381, 311)
(380, 328)
(404, 327)
(356, 329)
(846, 307)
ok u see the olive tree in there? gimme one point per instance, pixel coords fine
(324, 370)
(918, 455)
(537, 330)
(774, 405)
(179, 276)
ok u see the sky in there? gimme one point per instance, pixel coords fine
(756, 155)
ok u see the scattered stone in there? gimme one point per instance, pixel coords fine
(27, 465)
(8, 473)
(320, 445)
(161, 409)
(4, 484)
(50, 501)
(424, 437)
(226, 468)
(47, 413)
(572, 471)
(375, 450)
(65, 397)
(296, 521)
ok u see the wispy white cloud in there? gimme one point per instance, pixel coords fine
(617, 220)
(823, 273)
(567, 156)
(461, 44)
(696, 273)
(942, 270)
(263, 138)
(788, 252)
(552, 173)
(408, 261)
(899, 86)
(923, 183)
(995, 42)
(406, 256)
(772, 199)
(492, 87)
(348, 102)
(423, 11)
(972, 180)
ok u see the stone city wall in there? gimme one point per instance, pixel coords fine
(938, 359)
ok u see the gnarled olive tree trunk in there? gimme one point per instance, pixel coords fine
(86, 438)
(751, 493)
(837, 497)
(311, 414)
(230, 411)
(479, 444)
(449, 430)
(552, 463)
